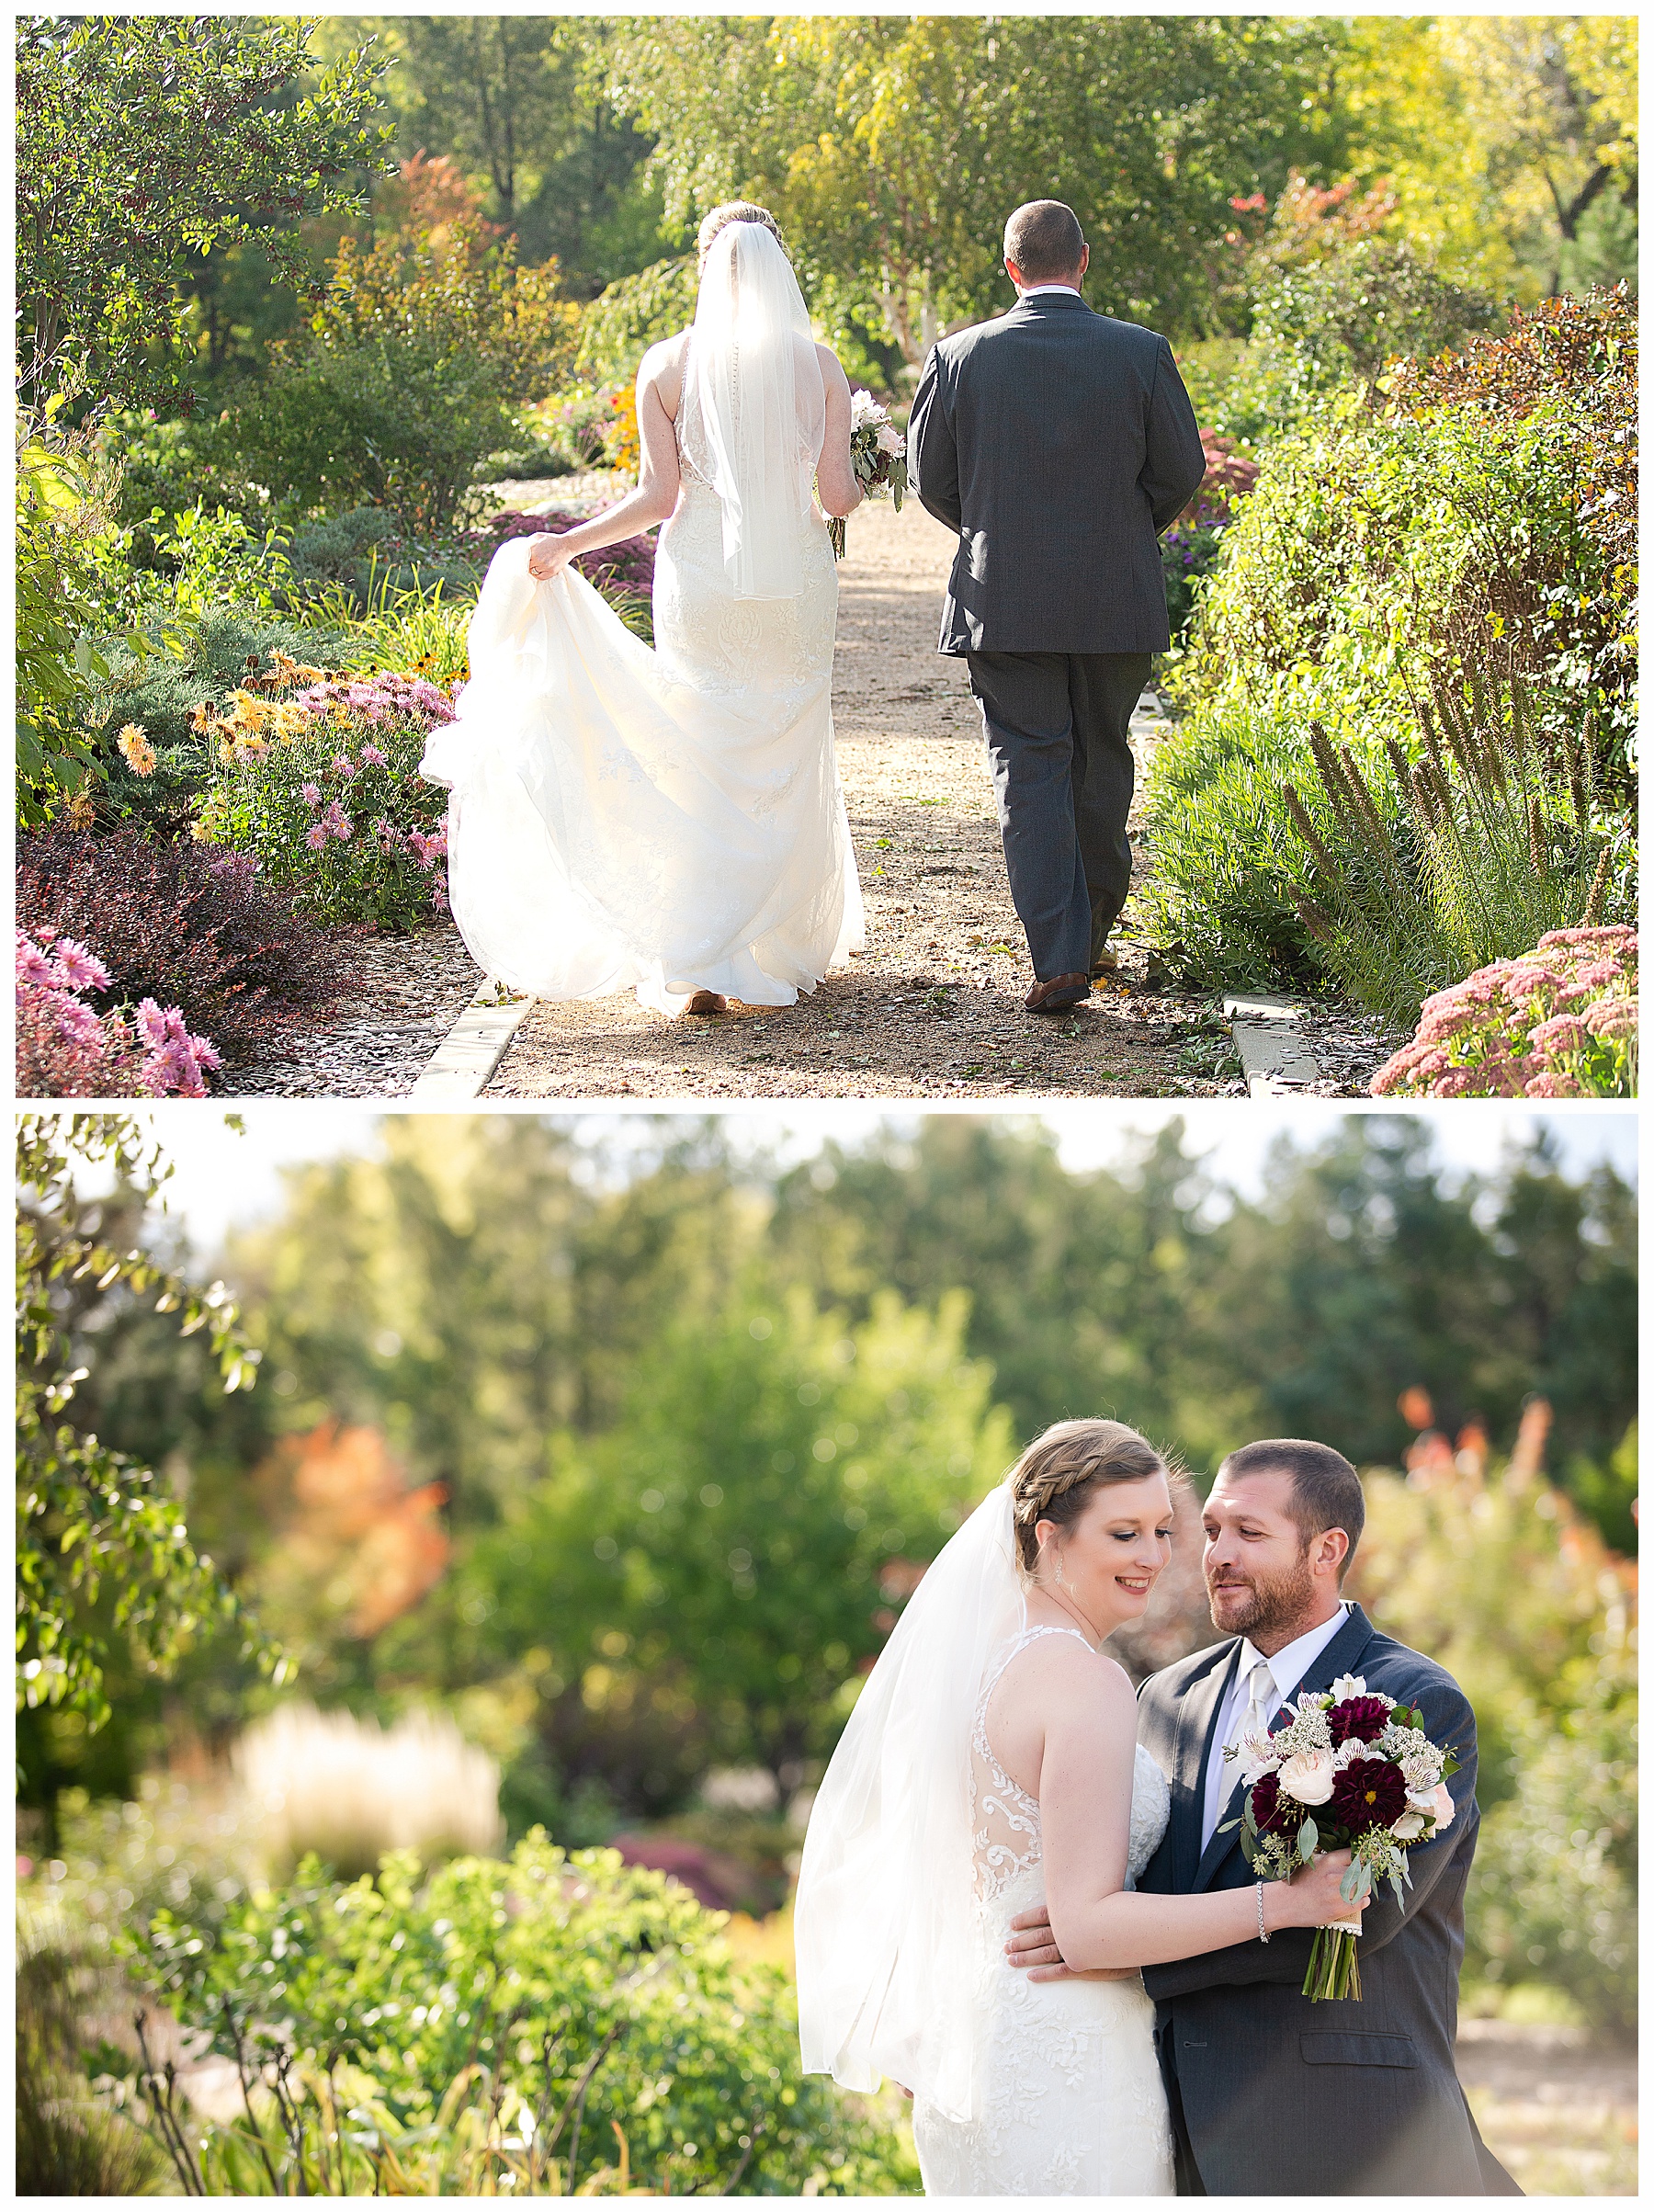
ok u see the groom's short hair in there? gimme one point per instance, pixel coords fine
(1326, 1489)
(1045, 240)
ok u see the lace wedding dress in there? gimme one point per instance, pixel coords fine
(667, 821)
(1072, 2103)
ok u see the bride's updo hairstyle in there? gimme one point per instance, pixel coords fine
(1061, 1471)
(735, 210)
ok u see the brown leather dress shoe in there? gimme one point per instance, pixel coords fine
(1057, 996)
(708, 1001)
(1104, 962)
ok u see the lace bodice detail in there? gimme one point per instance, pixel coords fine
(1005, 1819)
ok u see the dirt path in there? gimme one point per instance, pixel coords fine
(933, 1008)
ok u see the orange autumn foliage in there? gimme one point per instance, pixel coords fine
(352, 1529)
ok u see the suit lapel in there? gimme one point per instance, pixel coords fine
(1338, 1658)
(1196, 1725)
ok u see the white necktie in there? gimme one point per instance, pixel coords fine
(1261, 1695)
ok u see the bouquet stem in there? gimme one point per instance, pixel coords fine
(1334, 1970)
(835, 535)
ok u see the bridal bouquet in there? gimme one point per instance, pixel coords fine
(878, 455)
(1350, 1770)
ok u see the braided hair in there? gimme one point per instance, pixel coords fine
(1060, 1473)
(735, 210)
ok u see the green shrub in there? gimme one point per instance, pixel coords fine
(554, 2025)
(1553, 1888)
(405, 379)
(1341, 318)
(364, 551)
(164, 694)
(59, 512)
(1225, 861)
(635, 313)
(1481, 518)
(168, 464)
(69, 2141)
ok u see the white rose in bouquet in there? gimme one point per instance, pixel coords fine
(1308, 1778)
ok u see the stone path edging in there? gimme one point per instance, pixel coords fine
(1270, 1044)
(473, 1048)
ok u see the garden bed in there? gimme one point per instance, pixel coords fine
(413, 989)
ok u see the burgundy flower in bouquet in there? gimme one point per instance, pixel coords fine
(1350, 1770)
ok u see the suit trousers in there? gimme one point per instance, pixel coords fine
(1057, 729)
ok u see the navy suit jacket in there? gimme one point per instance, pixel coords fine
(1058, 444)
(1279, 2097)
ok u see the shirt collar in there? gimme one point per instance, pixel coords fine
(1290, 1664)
(1034, 291)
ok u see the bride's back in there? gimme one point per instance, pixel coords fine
(1047, 1672)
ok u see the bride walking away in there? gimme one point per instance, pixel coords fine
(671, 820)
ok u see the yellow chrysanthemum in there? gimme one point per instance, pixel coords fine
(136, 750)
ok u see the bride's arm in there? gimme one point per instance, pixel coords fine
(836, 484)
(1085, 1782)
(654, 498)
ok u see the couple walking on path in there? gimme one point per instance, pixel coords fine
(671, 820)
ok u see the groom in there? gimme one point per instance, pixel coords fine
(1269, 2094)
(1057, 444)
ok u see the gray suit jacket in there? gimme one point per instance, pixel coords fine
(1058, 444)
(1282, 2097)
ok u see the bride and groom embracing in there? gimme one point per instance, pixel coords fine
(671, 820)
(1024, 1894)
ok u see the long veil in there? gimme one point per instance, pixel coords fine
(754, 410)
(883, 1921)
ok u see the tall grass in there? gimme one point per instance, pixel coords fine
(350, 1791)
(1496, 842)
(69, 2141)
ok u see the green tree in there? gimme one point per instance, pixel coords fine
(1511, 142)
(707, 1579)
(144, 142)
(90, 1519)
(892, 150)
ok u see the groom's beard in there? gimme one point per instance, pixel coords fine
(1272, 1604)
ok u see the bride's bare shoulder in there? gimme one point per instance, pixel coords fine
(1065, 1662)
(833, 371)
(663, 366)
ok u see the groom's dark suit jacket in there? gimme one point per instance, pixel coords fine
(1280, 2096)
(1058, 443)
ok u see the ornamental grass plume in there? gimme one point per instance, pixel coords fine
(350, 1791)
(1561, 1021)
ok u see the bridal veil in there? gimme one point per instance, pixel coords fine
(755, 408)
(885, 1900)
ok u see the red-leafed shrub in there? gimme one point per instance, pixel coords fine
(184, 924)
(628, 565)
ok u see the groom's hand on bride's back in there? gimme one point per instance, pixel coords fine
(1034, 1947)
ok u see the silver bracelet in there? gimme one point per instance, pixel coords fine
(1263, 1930)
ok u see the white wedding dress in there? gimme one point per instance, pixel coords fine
(1072, 2101)
(669, 820)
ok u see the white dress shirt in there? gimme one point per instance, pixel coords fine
(1034, 290)
(1288, 1667)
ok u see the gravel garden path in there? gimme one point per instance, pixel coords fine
(931, 1009)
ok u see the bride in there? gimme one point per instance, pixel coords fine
(990, 1764)
(671, 820)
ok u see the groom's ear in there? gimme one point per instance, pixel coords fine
(1328, 1551)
